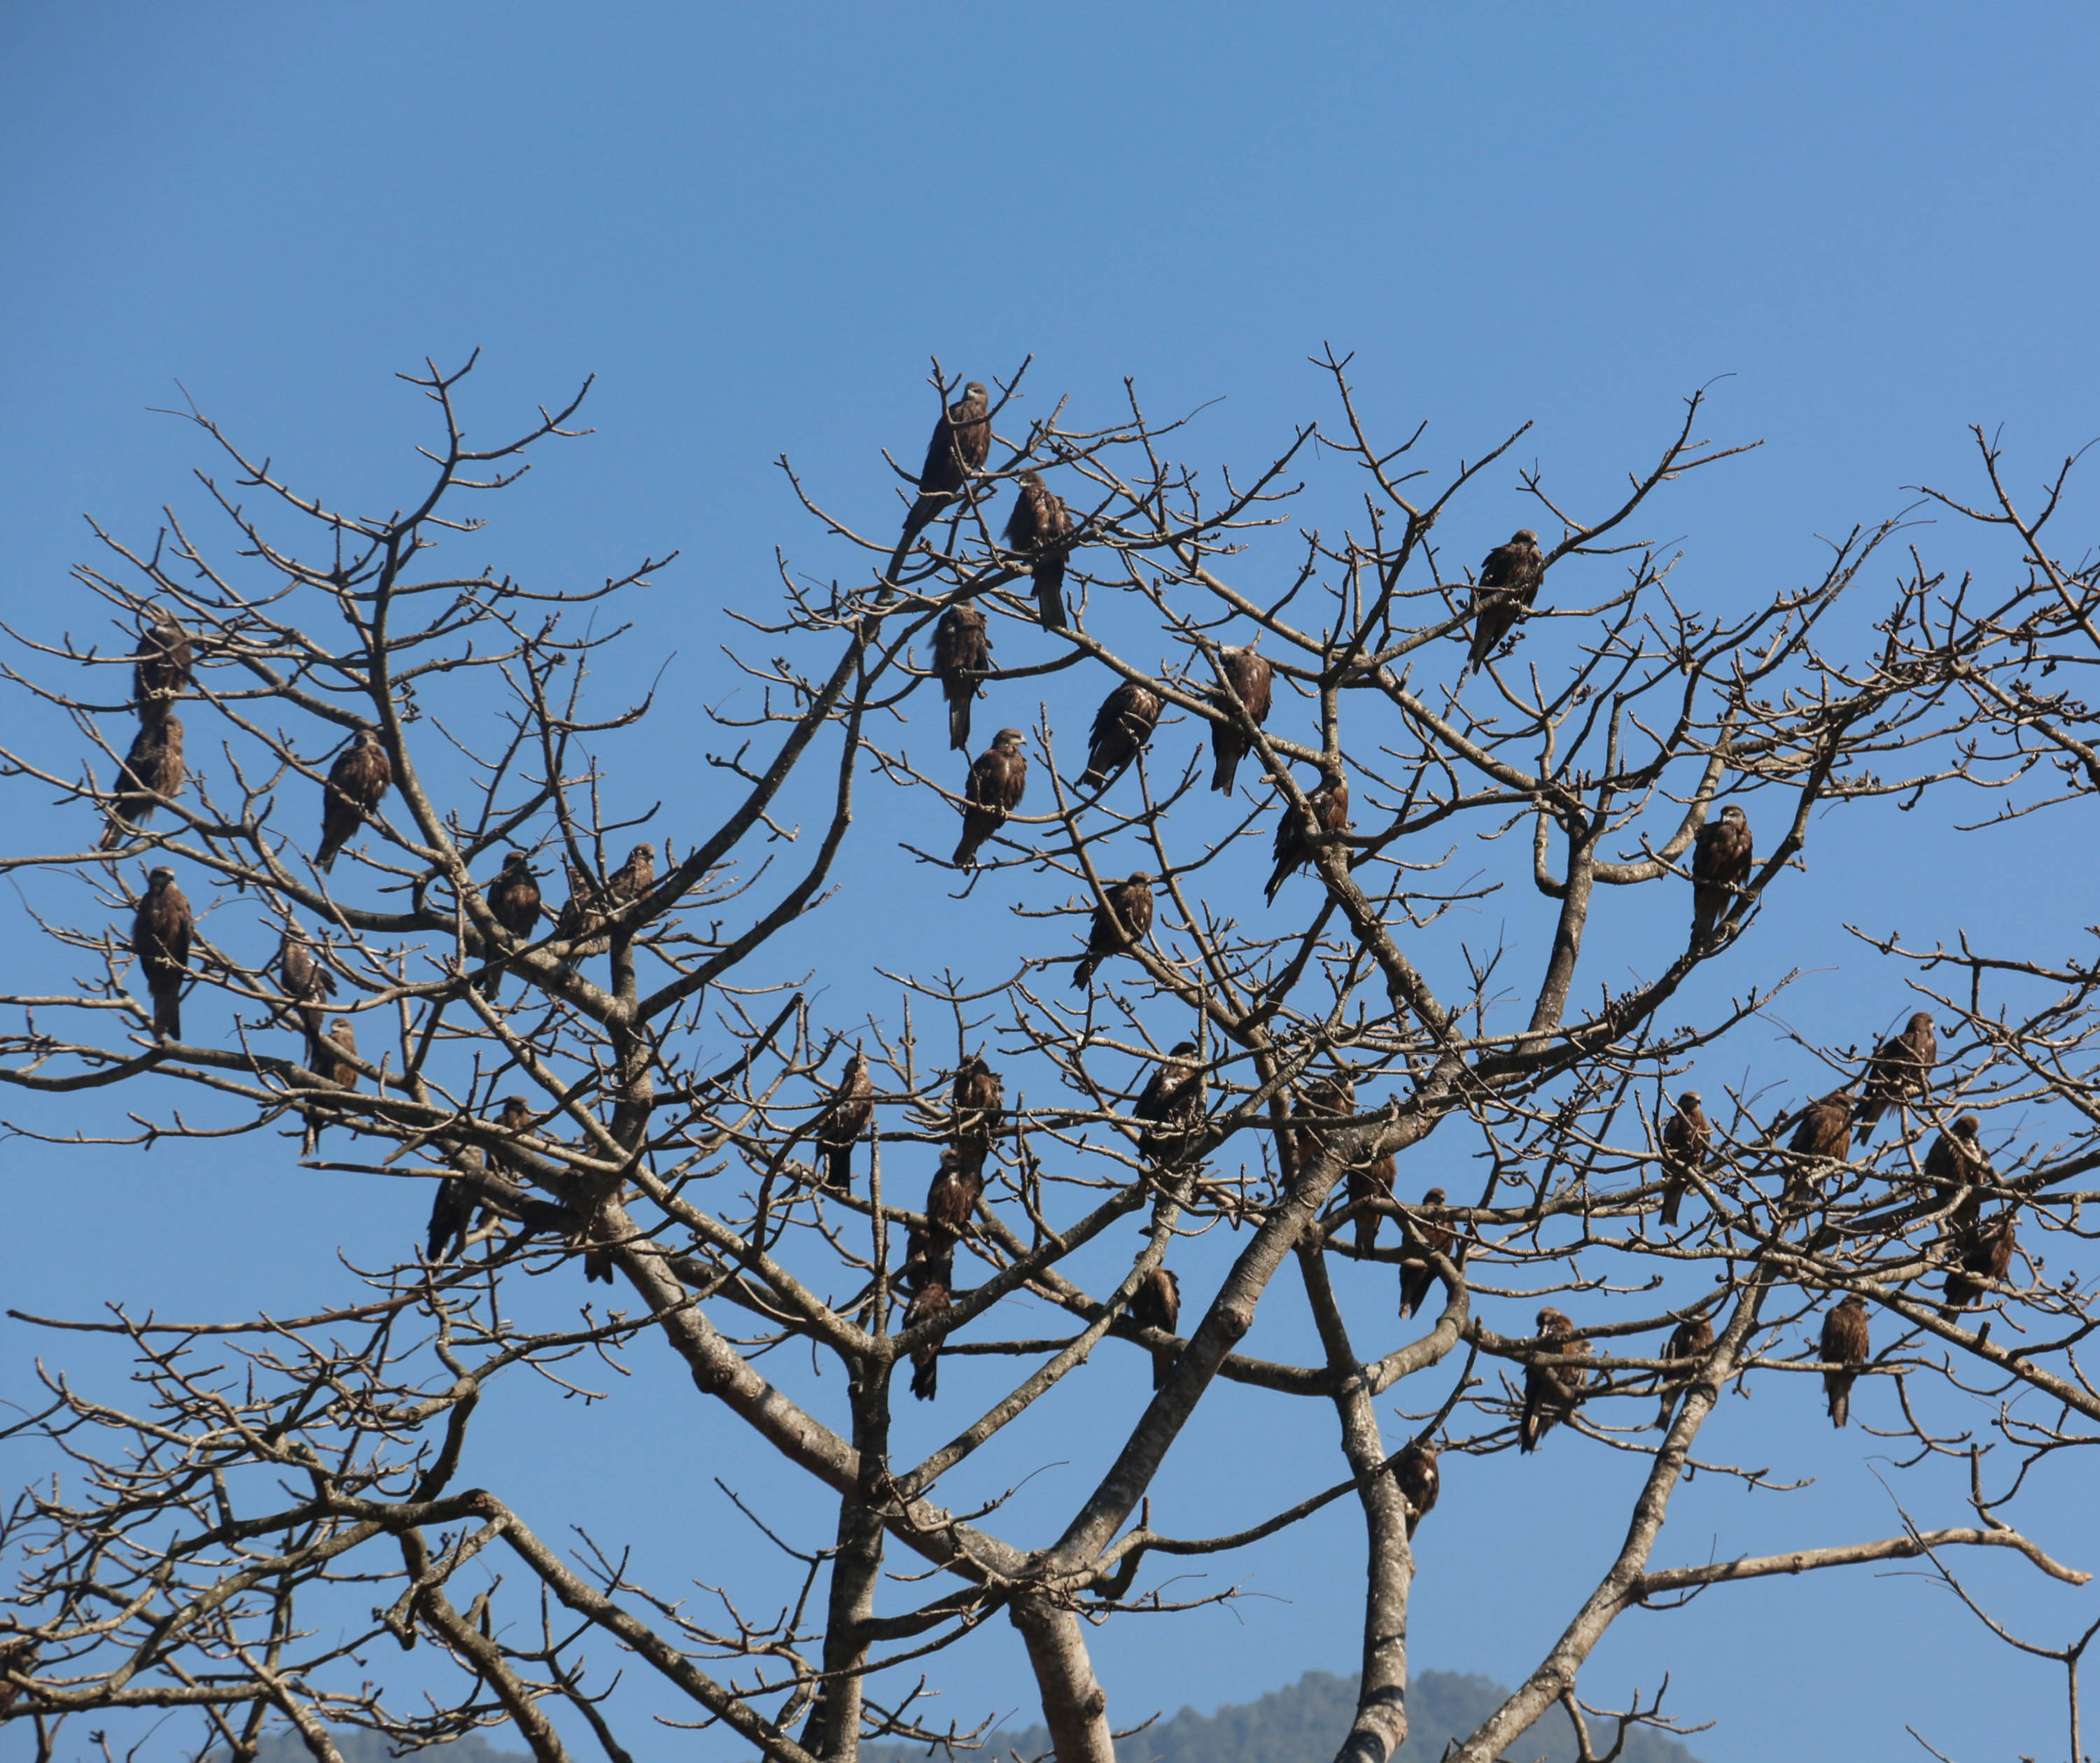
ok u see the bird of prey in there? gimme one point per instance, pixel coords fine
(998, 780)
(514, 903)
(452, 1213)
(1040, 529)
(1721, 855)
(1121, 922)
(153, 772)
(1416, 1472)
(1253, 682)
(1690, 1341)
(960, 443)
(1956, 1168)
(928, 1256)
(336, 1070)
(1844, 1343)
(1551, 1392)
(633, 879)
(361, 777)
(164, 665)
(17, 1658)
(1823, 1132)
(1330, 1096)
(1510, 575)
(1901, 1067)
(1983, 1255)
(161, 933)
(978, 1099)
(962, 651)
(1418, 1272)
(1172, 1104)
(930, 1303)
(306, 983)
(1157, 1304)
(1122, 726)
(852, 1108)
(952, 1196)
(1297, 834)
(1687, 1141)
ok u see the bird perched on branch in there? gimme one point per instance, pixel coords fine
(1983, 1257)
(1721, 854)
(632, 879)
(1157, 1304)
(1844, 1343)
(1040, 530)
(341, 1038)
(1172, 1104)
(962, 652)
(306, 982)
(930, 1303)
(1687, 1141)
(1120, 924)
(357, 783)
(514, 903)
(1958, 1169)
(1423, 1237)
(1901, 1068)
(452, 1212)
(978, 1099)
(961, 443)
(998, 780)
(1253, 681)
(1552, 1393)
(852, 1108)
(1690, 1341)
(164, 668)
(1419, 1480)
(1510, 576)
(161, 933)
(952, 1196)
(1299, 834)
(1823, 1132)
(1122, 726)
(152, 772)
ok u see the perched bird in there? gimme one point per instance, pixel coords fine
(633, 879)
(1551, 1392)
(1687, 1141)
(978, 1099)
(514, 903)
(306, 982)
(1721, 855)
(161, 933)
(930, 1256)
(930, 1303)
(1122, 726)
(1510, 575)
(852, 1108)
(1844, 1343)
(1121, 922)
(1901, 1067)
(1370, 1179)
(1040, 529)
(952, 1196)
(961, 442)
(1157, 1304)
(335, 1069)
(1690, 1341)
(1330, 1096)
(1297, 834)
(357, 782)
(1172, 1104)
(998, 780)
(1416, 1472)
(579, 911)
(1983, 1256)
(164, 666)
(1957, 1169)
(962, 651)
(516, 1120)
(1823, 1132)
(1253, 682)
(452, 1213)
(17, 1656)
(153, 772)
(1418, 1272)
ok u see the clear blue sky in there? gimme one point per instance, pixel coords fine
(755, 224)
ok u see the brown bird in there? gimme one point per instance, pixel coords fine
(1823, 1131)
(852, 1108)
(452, 1212)
(962, 651)
(516, 1120)
(1122, 726)
(17, 1656)
(306, 983)
(1297, 836)
(929, 1255)
(514, 903)
(1157, 1304)
(1510, 575)
(164, 666)
(1901, 1067)
(978, 1099)
(1416, 1472)
(961, 443)
(930, 1303)
(632, 879)
(1688, 1142)
(1171, 1105)
(1418, 1272)
(1689, 1342)
(1121, 922)
(1330, 1096)
(579, 912)
(1721, 854)
(998, 780)
(1040, 529)
(1253, 681)
(1844, 1343)
(1957, 1169)
(153, 772)
(161, 933)
(336, 1070)
(357, 783)
(1983, 1255)
(952, 1196)
(1551, 1392)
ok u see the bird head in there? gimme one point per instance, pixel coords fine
(1140, 877)
(1968, 1125)
(160, 878)
(1690, 1100)
(1922, 1020)
(1524, 535)
(1550, 1321)
(1733, 816)
(1006, 739)
(1435, 1197)
(975, 390)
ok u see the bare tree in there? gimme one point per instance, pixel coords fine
(629, 1081)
